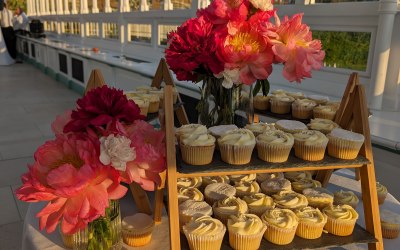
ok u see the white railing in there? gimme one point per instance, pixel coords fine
(381, 77)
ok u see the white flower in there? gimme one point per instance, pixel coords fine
(117, 151)
(231, 76)
(263, 5)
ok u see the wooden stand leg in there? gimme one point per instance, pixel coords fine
(158, 201)
(141, 199)
(324, 176)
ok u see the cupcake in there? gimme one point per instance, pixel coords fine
(245, 231)
(345, 198)
(324, 126)
(154, 102)
(301, 184)
(144, 89)
(217, 131)
(261, 102)
(230, 206)
(382, 192)
(218, 191)
(204, 233)
(296, 95)
(191, 208)
(344, 144)
(185, 182)
(268, 176)
(242, 178)
(279, 92)
(310, 145)
(197, 149)
(319, 99)
(311, 223)
(237, 146)
(303, 108)
(258, 203)
(190, 129)
(270, 187)
(274, 146)
(390, 223)
(259, 128)
(143, 105)
(341, 219)
(137, 229)
(290, 126)
(189, 193)
(246, 188)
(290, 200)
(318, 197)
(325, 112)
(207, 180)
(281, 104)
(281, 225)
(297, 175)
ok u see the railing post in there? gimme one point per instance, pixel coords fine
(143, 5)
(84, 6)
(124, 6)
(168, 5)
(107, 7)
(52, 7)
(66, 7)
(73, 9)
(60, 9)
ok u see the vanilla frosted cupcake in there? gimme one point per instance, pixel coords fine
(258, 203)
(153, 99)
(207, 180)
(230, 206)
(259, 128)
(303, 108)
(204, 233)
(144, 89)
(390, 223)
(218, 191)
(197, 129)
(318, 197)
(242, 178)
(325, 112)
(281, 225)
(290, 200)
(281, 104)
(382, 192)
(261, 102)
(137, 229)
(279, 92)
(185, 182)
(341, 219)
(290, 126)
(269, 176)
(190, 208)
(311, 222)
(245, 231)
(299, 185)
(246, 188)
(270, 187)
(322, 125)
(296, 95)
(237, 146)
(197, 149)
(297, 175)
(344, 144)
(274, 146)
(143, 105)
(319, 99)
(345, 198)
(189, 193)
(310, 145)
(219, 130)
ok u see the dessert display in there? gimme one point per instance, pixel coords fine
(230, 206)
(258, 203)
(319, 99)
(301, 184)
(279, 92)
(246, 188)
(245, 231)
(242, 178)
(341, 219)
(142, 103)
(270, 187)
(281, 104)
(281, 225)
(344, 144)
(290, 126)
(290, 200)
(318, 197)
(345, 198)
(190, 129)
(207, 180)
(390, 223)
(269, 176)
(325, 112)
(189, 193)
(218, 191)
(310, 145)
(217, 131)
(382, 192)
(311, 222)
(274, 146)
(322, 125)
(296, 95)
(297, 175)
(236, 146)
(261, 102)
(303, 108)
(197, 149)
(137, 229)
(259, 128)
(185, 182)
(191, 208)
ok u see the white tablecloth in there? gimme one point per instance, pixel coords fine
(33, 239)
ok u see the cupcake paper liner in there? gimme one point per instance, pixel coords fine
(340, 227)
(153, 107)
(279, 236)
(302, 112)
(197, 155)
(309, 152)
(390, 231)
(144, 110)
(204, 242)
(278, 107)
(309, 230)
(273, 152)
(381, 198)
(236, 155)
(261, 104)
(324, 115)
(134, 240)
(343, 149)
(246, 242)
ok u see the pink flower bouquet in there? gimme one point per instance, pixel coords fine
(100, 144)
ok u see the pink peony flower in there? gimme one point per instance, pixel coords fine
(296, 49)
(224, 11)
(191, 50)
(101, 106)
(68, 174)
(245, 49)
(59, 123)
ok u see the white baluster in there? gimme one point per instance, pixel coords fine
(42, 7)
(73, 9)
(53, 7)
(60, 9)
(84, 7)
(143, 5)
(124, 6)
(168, 5)
(66, 7)
(95, 9)
(29, 7)
(107, 7)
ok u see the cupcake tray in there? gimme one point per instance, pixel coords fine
(287, 116)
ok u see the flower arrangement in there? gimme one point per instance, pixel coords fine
(100, 144)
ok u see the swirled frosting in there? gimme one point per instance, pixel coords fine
(297, 175)
(207, 180)
(191, 129)
(276, 137)
(149, 97)
(189, 193)
(238, 137)
(345, 197)
(197, 139)
(230, 206)
(318, 192)
(245, 224)
(290, 200)
(258, 201)
(246, 188)
(389, 217)
(219, 130)
(326, 109)
(219, 191)
(259, 128)
(310, 214)
(318, 98)
(279, 91)
(346, 135)
(204, 225)
(341, 212)
(296, 95)
(282, 98)
(269, 176)
(242, 177)
(185, 182)
(290, 126)
(322, 124)
(274, 186)
(261, 98)
(311, 137)
(143, 89)
(304, 103)
(381, 188)
(283, 218)
(302, 184)
(195, 208)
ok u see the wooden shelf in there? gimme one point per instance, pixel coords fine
(218, 167)
(360, 235)
(287, 116)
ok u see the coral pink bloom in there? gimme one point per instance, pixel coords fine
(59, 123)
(245, 49)
(68, 174)
(224, 11)
(297, 50)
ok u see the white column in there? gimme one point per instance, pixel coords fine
(84, 7)
(168, 5)
(53, 7)
(73, 9)
(387, 12)
(107, 7)
(42, 7)
(143, 5)
(66, 7)
(203, 4)
(60, 9)
(47, 7)
(95, 9)
(124, 6)
(29, 7)
(37, 5)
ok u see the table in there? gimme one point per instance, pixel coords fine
(33, 239)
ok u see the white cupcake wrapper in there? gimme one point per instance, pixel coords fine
(343, 149)
(246, 242)
(236, 155)
(204, 242)
(273, 152)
